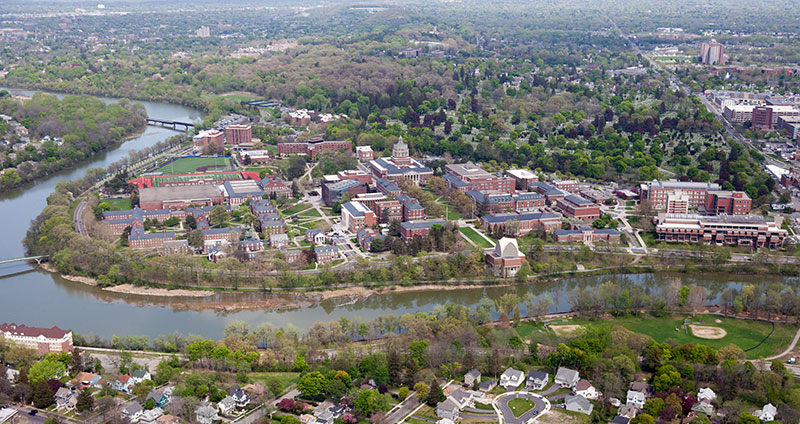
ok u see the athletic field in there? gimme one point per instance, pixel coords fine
(188, 165)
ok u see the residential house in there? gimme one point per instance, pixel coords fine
(447, 409)
(706, 394)
(84, 379)
(151, 416)
(11, 373)
(487, 384)
(240, 397)
(578, 403)
(205, 414)
(462, 398)
(511, 378)
(635, 399)
(122, 383)
(169, 419)
(472, 376)
(278, 241)
(537, 380)
(132, 412)
(703, 407)
(641, 386)
(566, 377)
(584, 388)
(619, 420)
(140, 375)
(160, 396)
(767, 413)
(226, 405)
(65, 398)
(628, 411)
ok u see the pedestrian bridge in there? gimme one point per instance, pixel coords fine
(38, 259)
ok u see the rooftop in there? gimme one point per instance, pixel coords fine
(189, 192)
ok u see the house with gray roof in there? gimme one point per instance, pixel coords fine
(566, 377)
(472, 376)
(578, 403)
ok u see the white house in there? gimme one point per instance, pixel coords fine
(11, 373)
(151, 416)
(511, 378)
(461, 398)
(65, 398)
(447, 410)
(132, 411)
(140, 375)
(123, 383)
(635, 399)
(240, 397)
(226, 405)
(706, 394)
(766, 413)
(206, 414)
(537, 380)
(584, 388)
(566, 377)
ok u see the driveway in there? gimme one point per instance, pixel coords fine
(550, 390)
(540, 405)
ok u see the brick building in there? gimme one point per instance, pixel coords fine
(365, 153)
(333, 192)
(519, 224)
(577, 207)
(356, 216)
(746, 230)
(237, 134)
(505, 259)
(43, 340)
(139, 239)
(400, 166)
(355, 174)
(468, 176)
(586, 235)
(179, 197)
(728, 203)
(326, 253)
(213, 138)
(387, 211)
(657, 191)
(411, 229)
(522, 178)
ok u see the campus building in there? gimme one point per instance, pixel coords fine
(411, 229)
(468, 176)
(179, 197)
(746, 230)
(44, 340)
(505, 259)
(657, 191)
(238, 192)
(712, 53)
(577, 207)
(213, 138)
(519, 224)
(139, 239)
(237, 134)
(313, 147)
(365, 153)
(333, 192)
(501, 202)
(586, 235)
(356, 216)
(522, 177)
(401, 166)
(728, 203)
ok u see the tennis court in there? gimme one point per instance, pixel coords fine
(187, 165)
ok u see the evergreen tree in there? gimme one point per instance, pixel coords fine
(435, 394)
(85, 401)
(394, 366)
(76, 362)
(42, 396)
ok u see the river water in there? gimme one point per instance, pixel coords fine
(35, 297)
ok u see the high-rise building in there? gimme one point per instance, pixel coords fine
(203, 32)
(238, 134)
(712, 53)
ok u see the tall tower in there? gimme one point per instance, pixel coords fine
(400, 155)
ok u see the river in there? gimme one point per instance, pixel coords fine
(34, 297)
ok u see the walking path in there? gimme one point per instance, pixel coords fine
(788, 349)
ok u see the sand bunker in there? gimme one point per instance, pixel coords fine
(706, 332)
(566, 330)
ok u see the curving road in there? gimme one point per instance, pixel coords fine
(788, 349)
(541, 405)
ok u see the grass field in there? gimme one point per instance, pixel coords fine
(520, 406)
(286, 378)
(119, 204)
(198, 164)
(310, 213)
(743, 333)
(296, 208)
(475, 237)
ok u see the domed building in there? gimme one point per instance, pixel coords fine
(505, 259)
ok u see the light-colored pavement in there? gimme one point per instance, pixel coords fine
(788, 349)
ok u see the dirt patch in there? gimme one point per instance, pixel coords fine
(706, 332)
(567, 329)
(152, 291)
(718, 321)
(89, 281)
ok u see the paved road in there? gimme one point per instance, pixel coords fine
(77, 217)
(403, 409)
(508, 416)
(550, 390)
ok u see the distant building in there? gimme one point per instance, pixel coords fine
(213, 138)
(728, 203)
(712, 53)
(365, 153)
(139, 239)
(313, 147)
(334, 191)
(519, 224)
(203, 32)
(179, 197)
(577, 207)
(469, 176)
(43, 340)
(277, 186)
(239, 192)
(522, 177)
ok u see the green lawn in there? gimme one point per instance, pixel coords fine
(310, 213)
(198, 164)
(286, 378)
(475, 237)
(119, 204)
(743, 333)
(525, 329)
(520, 406)
(296, 208)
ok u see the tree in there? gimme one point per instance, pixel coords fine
(195, 238)
(653, 406)
(422, 390)
(747, 418)
(300, 364)
(149, 404)
(218, 216)
(643, 419)
(85, 401)
(369, 402)
(190, 223)
(46, 369)
(42, 395)
(435, 394)
(312, 384)
(666, 378)
(76, 362)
